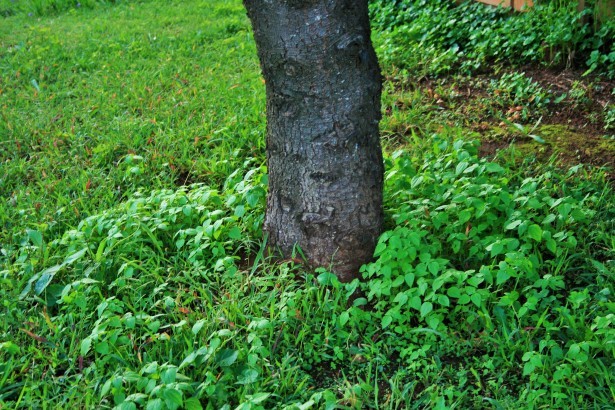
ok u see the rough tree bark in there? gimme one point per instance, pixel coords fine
(323, 87)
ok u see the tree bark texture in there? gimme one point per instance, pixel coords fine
(323, 87)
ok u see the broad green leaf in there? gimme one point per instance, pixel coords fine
(75, 256)
(258, 397)
(192, 404)
(188, 360)
(344, 316)
(426, 308)
(253, 196)
(234, 233)
(534, 232)
(444, 300)
(226, 357)
(454, 292)
(464, 299)
(433, 321)
(386, 321)
(401, 298)
(409, 278)
(149, 368)
(240, 211)
(551, 245)
(501, 277)
(477, 299)
(397, 282)
(168, 375)
(102, 348)
(198, 325)
(45, 278)
(415, 302)
(247, 376)
(105, 389)
(180, 243)
(156, 404)
(495, 249)
(36, 237)
(461, 167)
(172, 398)
(327, 279)
(10, 347)
(464, 216)
(86, 344)
(513, 224)
(126, 405)
(548, 219)
(470, 168)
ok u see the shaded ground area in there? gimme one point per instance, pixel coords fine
(546, 113)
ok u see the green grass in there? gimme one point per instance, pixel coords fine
(132, 271)
(97, 103)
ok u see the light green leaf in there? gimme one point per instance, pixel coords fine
(198, 325)
(536, 138)
(247, 376)
(172, 398)
(86, 344)
(258, 397)
(426, 308)
(156, 404)
(513, 224)
(502, 276)
(344, 317)
(386, 321)
(102, 348)
(75, 256)
(453, 292)
(477, 299)
(534, 232)
(168, 375)
(45, 278)
(193, 404)
(10, 347)
(461, 167)
(234, 233)
(188, 360)
(415, 302)
(401, 298)
(180, 243)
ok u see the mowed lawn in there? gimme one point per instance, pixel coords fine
(96, 104)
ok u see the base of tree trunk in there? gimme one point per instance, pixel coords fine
(323, 148)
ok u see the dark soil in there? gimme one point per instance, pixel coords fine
(577, 134)
(574, 128)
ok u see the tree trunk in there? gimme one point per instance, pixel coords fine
(324, 157)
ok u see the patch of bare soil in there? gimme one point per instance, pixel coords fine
(572, 124)
(574, 128)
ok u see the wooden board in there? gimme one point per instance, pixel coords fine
(516, 4)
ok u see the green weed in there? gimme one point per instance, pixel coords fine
(439, 36)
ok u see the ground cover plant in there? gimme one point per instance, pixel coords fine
(469, 36)
(132, 264)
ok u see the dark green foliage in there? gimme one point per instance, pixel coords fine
(471, 36)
